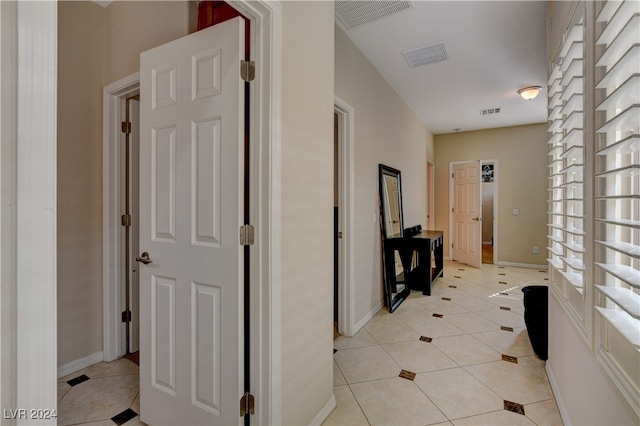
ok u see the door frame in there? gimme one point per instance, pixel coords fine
(113, 329)
(346, 275)
(431, 196)
(495, 206)
(265, 198)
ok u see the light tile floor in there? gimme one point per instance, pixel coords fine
(459, 375)
(97, 395)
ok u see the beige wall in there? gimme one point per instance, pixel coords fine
(521, 174)
(135, 26)
(80, 80)
(307, 209)
(96, 46)
(387, 132)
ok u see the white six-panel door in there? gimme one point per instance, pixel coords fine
(191, 156)
(467, 213)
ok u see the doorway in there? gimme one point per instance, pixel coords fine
(488, 191)
(431, 180)
(337, 235)
(484, 194)
(129, 235)
(115, 104)
(344, 281)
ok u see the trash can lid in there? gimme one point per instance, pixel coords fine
(535, 288)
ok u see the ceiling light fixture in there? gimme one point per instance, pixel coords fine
(530, 92)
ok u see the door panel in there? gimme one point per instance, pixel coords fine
(192, 132)
(467, 210)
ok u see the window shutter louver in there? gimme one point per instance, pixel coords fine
(566, 175)
(617, 194)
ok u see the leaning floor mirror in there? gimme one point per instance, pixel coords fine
(396, 289)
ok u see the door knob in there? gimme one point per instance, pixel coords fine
(144, 258)
(476, 219)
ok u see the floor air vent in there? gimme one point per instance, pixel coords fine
(355, 13)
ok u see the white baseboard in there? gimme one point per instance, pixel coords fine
(367, 317)
(523, 265)
(324, 412)
(79, 364)
(556, 393)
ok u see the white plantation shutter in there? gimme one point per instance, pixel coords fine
(594, 184)
(566, 172)
(617, 193)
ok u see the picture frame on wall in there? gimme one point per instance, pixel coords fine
(487, 173)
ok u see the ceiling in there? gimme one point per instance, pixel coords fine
(494, 48)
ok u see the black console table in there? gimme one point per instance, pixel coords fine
(421, 254)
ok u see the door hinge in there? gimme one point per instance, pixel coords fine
(452, 175)
(126, 127)
(247, 70)
(126, 219)
(247, 405)
(126, 316)
(452, 209)
(246, 235)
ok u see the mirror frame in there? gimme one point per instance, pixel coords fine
(392, 299)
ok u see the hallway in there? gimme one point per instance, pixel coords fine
(459, 357)
(470, 365)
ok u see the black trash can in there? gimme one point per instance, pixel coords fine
(536, 317)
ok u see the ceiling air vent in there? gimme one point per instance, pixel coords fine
(436, 52)
(355, 13)
(490, 111)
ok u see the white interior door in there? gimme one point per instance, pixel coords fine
(191, 156)
(467, 209)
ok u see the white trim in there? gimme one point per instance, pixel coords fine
(324, 412)
(430, 220)
(372, 313)
(522, 265)
(113, 94)
(346, 138)
(562, 302)
(8, 193)
(36, 245)
(624, 385)
(79, 364)
(266, 270)
(564, 414)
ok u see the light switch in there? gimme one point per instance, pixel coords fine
(516, 212)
